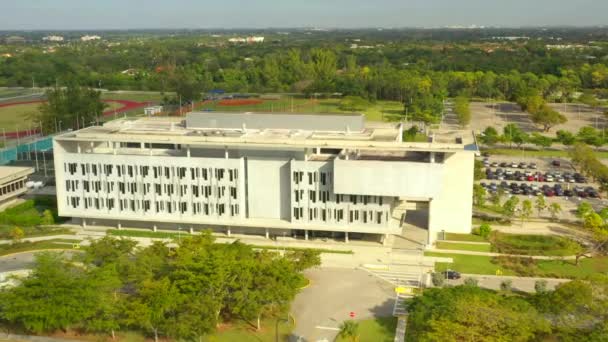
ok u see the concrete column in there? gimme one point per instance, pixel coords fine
(142, 145)
(317, 150)
(78, 148)
(432, 159)
(228, 231)
(306, 234)
(84, 223)
(267, 233)
(226, 152)
(119, 226)
(188, 152)
(191, 230)
(154, 228)
(346, 237)
(385, 240)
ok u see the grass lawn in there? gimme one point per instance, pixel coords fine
(524, 244)
(245, 332)
(472, 264)
(134, 96)
(464, 246)
(477, 264)
(17, 117)
(464, 237)
(381, 329)
(378, 111)
(39, 245)
(538, 154)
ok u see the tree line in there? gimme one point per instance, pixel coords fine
(418, 74)
(574, 311)
(181, 292)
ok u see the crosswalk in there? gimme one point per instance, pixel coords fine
(399, 278)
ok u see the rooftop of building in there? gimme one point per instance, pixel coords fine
(272, 130)
(8, 173)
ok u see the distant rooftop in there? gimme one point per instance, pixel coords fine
(270, 130)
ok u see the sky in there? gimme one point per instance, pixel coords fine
(132, 14)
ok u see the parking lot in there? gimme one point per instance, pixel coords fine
(554, 178)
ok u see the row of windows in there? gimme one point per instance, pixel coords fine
(324, 197)
(170, 207)
(159, 189)
(313, 177)
(10, 188)
(326, 215)
(157, 171)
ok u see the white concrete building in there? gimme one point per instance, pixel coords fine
(13, 181)
(88, 38)
(53, 38)
(275, 174)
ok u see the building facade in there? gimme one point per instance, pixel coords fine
(13, 181)
(272, 174)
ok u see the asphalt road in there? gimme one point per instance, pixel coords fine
(332, 295)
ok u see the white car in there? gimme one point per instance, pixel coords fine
(549, 178)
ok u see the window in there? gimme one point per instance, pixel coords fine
(323, 178)
(310, 178)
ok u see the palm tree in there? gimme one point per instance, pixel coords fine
(349, 329)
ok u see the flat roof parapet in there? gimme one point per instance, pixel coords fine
(284, 121)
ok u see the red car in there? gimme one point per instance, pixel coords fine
(549, 193)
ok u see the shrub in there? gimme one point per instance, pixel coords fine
(485, 230)
(506, 285)
(540, 286)
(438, 279)
(471, 282)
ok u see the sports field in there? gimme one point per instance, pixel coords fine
(18, 116)
(378, 111)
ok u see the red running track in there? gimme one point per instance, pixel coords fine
(127, 105)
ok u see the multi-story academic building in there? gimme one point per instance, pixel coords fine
(271, 174)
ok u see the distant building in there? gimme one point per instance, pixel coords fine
(14, 40)
(249, 40)
(88, 38)
(153, 110)
(301, 175)
(53, 38)
(12, 181)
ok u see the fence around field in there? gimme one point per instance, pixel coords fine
(10, 154)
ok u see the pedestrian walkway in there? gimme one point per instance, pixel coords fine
(400, 331)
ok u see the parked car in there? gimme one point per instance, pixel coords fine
(503, 164)
(451, 274)
(523, 165)
(556, 163)
(514, 165)
(532, 165)
(549, 193)
(568, 193)
(494, 164)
